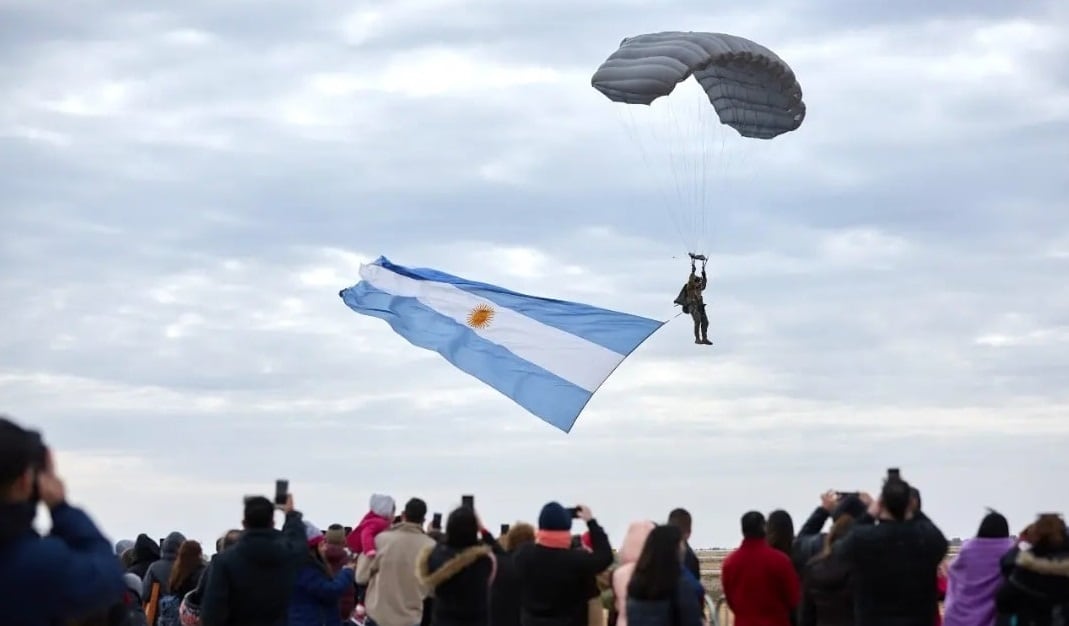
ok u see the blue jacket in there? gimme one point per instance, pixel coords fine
(316, 595)
(68, 574)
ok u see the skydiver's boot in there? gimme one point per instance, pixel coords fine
(697, 339)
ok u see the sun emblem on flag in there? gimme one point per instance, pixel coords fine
(480, 316)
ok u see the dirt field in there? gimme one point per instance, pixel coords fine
(710, 563)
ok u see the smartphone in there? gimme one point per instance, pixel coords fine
(504, 529)
(847, 494)
(894, 474)
(162, 539)
(436, 522)
(282, 491)
(468, 502)
(573, 512)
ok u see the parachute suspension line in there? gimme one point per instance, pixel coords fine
(703, 130)
(631, 126)
(676, 157)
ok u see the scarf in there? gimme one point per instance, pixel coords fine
(557, 539)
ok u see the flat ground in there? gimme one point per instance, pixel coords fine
(710, 562)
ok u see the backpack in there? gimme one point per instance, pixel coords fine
(168, 613)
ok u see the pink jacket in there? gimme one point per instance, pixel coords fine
(628, 556)
(378, 519)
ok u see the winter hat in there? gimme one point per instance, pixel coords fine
(122, 546)
(335, 537)
(554, 517)
(382, 505)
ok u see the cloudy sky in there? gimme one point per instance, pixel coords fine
(186, 190)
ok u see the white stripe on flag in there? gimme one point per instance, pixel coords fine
(581, 362)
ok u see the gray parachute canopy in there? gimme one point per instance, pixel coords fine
(753, 90)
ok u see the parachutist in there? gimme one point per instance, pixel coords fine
(690, 298)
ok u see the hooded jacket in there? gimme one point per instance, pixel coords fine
(251, 584)
(69, 573)
(146, 552)
(627, 556)
(380, 516)
(160, 571)
(460, 580)
(1038, 588)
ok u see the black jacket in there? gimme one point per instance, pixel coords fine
(557, 583)
(827, 593)
(461, 583)
(1037, 587)
(505, 590)
(251, 583)
(894, 566)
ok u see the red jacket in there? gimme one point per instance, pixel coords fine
(760, 584)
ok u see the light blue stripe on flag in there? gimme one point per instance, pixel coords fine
(549, 356)
(549, 397)
(619, 332)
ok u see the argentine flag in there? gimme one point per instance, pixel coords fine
(549, 356)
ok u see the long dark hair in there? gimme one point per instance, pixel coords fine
(659, 565)
(189, 562)
(461, 529)
(780, 529)
(839, 529)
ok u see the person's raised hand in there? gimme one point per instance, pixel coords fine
(49, 486)
(866, 498)
(288, 507)
(828, 500)
(584, 513)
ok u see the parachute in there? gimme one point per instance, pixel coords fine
(750, 88)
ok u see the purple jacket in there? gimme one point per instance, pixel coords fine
(974, 579)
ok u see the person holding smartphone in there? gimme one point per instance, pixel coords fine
(556, 580)
(252, 582)
(69, 573)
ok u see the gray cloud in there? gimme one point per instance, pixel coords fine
(186, 192)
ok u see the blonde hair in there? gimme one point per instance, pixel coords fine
(518, 534)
